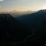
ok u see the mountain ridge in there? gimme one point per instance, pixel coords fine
(33, 19)
(34, 33)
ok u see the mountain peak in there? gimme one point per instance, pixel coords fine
(43, 10)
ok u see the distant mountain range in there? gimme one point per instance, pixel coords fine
(24, 30)
(33, 19)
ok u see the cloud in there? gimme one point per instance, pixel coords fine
(1, 0)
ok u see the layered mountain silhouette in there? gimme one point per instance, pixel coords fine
(12, 30)
(25, 30)
(36, 21)
(33, 19)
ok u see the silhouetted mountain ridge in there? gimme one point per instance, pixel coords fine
(30, 28)
(12, 30)
(33, 19)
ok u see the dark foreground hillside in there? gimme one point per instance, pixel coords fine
(15, 33)
(12, 31)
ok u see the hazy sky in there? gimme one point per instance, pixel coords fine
(8, 5)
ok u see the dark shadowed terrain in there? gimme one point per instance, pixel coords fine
(26, 30)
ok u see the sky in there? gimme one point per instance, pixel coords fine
(22, 5)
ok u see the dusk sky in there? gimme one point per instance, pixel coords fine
(22, 5)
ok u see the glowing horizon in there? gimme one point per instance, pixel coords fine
(22, 5)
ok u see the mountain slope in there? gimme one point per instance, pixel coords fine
(33, 19)
(30, 28)
(12, 30)
(39, 38)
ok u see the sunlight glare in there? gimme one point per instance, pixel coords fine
(44, 7)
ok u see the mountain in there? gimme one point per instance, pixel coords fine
(40, 33)
(37, 22)
(27, 30)
(34, 19)
(12, 30)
